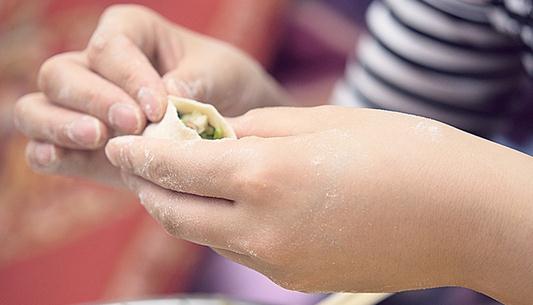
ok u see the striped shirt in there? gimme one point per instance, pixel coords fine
(462, 62)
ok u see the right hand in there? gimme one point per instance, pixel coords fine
(114, 86)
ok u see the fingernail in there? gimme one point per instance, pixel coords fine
(124, 117)
(115, 148)
(149, 103)
(41, 154)
(85, 131)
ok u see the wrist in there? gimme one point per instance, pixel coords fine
(473, 215)
(497, 216)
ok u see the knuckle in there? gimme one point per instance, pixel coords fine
(20, 111)
(49, 71)
(103, 46)
(256, 179)
(96, 103)
(97, 46)
(256, 174)
(102, 50)
(119, 11)
(114, 18)
(259, 175)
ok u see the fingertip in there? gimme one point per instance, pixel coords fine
(42, 157)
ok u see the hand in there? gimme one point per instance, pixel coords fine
(336, 199)
(114, 86)
(316, 199)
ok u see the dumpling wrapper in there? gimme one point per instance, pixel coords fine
(171, 127)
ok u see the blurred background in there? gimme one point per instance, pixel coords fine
(65, 241)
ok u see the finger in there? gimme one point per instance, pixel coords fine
(50, 159)
(286, 121)
(42, 157)
(205, 168)
(184, 85)
(189, 82)
(202, 220)
(136, 22)
(66, 81)
(194, 78)
(120, 51)
(38, 119)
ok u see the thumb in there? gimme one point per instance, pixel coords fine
(277, 122)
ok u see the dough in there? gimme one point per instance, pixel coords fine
(200, 118)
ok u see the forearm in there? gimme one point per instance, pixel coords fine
(504, 251)
(457, 208)
(486, 213)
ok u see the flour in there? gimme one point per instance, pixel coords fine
(429, 129)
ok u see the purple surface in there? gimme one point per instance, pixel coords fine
(230, 279)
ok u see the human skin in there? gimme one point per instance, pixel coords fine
(321, 199)
(70, 121)
(339, 199)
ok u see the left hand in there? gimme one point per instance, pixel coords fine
(120, 82)
(327, 198)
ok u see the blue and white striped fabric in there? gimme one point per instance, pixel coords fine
(462, 62)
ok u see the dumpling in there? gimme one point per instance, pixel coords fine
(186, 119)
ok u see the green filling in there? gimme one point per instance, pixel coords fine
(200, 123)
